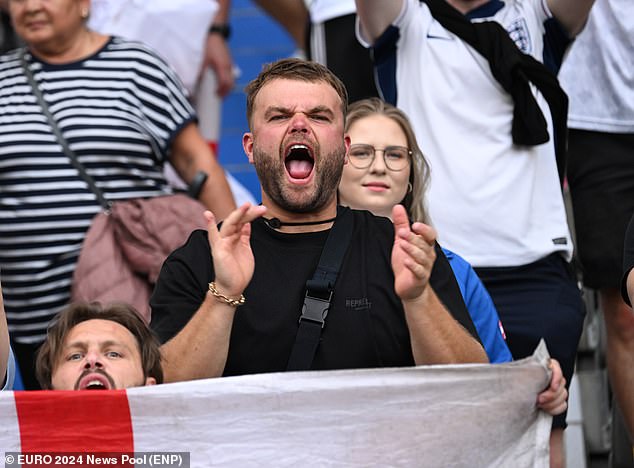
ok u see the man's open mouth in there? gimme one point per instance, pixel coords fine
(299, 161)
(94, 381)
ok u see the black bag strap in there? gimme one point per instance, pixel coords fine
(58, 134)
(319, 291)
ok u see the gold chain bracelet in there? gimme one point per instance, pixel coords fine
(227, 300)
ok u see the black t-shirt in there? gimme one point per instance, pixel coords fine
(365, 326)
(628, 259)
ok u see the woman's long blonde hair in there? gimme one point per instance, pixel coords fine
(414, 201)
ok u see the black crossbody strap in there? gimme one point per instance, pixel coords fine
(58, 134)
(319, 291)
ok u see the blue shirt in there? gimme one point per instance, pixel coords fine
(481, 308)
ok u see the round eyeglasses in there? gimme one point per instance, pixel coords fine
(396, 158)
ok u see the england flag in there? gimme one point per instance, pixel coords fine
(426, 416)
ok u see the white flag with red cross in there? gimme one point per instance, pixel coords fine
(436, 416)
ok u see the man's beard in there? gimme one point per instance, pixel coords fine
(299, 199)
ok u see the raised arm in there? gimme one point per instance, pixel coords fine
(628, 264)
(200, 349)
(630, 286)
(436, 337)
(217, 53)
(376, 15)
(4, 342)
(190, 154)
(572, 14)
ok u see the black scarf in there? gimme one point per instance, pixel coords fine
(514, 69)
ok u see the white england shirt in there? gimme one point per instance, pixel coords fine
(495, 203)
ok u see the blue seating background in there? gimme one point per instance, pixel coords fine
(256, 39)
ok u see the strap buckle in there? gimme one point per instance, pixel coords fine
(315, 308)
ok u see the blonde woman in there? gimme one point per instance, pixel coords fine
(386, 167)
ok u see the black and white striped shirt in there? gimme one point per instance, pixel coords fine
(119, 110)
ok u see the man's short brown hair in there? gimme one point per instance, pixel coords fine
(123, 314)
(294, 69)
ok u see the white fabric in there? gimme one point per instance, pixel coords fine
(436, 416)
(598, 73)
(9, 426)
(324, 10)
(175, 28)
(496, 203)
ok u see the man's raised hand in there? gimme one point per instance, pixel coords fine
(231, 250)
(413, 255)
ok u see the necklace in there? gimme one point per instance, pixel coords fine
(275, 223)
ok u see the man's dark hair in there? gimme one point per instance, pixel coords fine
(123, 314)
(294, 69)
